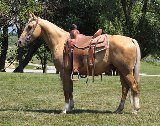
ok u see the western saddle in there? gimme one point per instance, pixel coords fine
(81, 46)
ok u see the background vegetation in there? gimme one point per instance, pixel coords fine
(139, 19)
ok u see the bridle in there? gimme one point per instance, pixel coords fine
(28, 38)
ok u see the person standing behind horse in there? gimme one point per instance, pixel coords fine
(74, 31)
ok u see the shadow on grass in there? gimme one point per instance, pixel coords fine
(75, 111)
(81, 111)
(31, 110)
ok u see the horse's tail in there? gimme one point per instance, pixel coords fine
(137, 64)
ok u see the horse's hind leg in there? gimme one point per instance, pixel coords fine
(135, 102)
(134, 92)
(125, 88)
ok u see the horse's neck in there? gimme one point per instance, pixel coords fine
(52, 34)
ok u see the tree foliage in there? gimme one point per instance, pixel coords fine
(139, 19)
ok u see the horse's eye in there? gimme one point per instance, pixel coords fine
(29, 28)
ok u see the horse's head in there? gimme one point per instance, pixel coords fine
(31, 31)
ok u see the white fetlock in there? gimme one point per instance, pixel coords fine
(64, 111)
(67, 108)
(136, 103)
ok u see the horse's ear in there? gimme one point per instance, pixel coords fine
(32, 16)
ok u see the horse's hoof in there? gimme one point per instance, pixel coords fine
(135, 111)
(64, 111)
(67, 109)
(72, 107)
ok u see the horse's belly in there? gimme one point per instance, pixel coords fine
(99, 68)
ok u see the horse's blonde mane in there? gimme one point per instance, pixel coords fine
(54, 26)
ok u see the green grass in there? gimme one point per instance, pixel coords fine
(149, 68)
(37, 100)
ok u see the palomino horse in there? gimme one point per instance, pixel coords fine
(123, 53)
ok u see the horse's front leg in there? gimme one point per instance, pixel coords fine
(68, 93)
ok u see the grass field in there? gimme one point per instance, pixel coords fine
(37, 100)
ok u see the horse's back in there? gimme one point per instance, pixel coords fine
(122, 41)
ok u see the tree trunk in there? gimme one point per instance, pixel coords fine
(32, 49)
(127, 12)
(4, 47)
(44, 63)
(20, 59)
(19, 52)
(145, 49)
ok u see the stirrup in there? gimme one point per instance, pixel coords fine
(78, 76)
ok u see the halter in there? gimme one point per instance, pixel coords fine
(28, 38)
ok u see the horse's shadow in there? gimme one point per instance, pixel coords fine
(49, 111)
(81, 111)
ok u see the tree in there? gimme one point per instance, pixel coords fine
(137, 19)
(32, 49)
(20, 17)
(14, 12)
(4, 23)
(147, 30)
